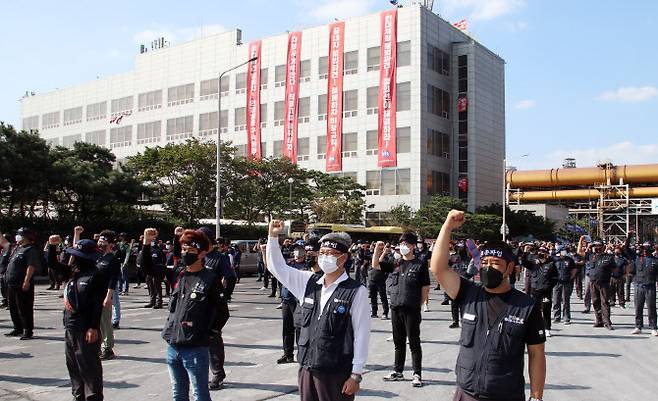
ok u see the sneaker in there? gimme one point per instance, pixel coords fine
(285, 359)
(394, 377)
(567, 322)
(548, 333)
(279, 306)
(445, 302)
(115, 326)
(557, 320)
(149, 305)
(26, 336)
(216, 384)
(50, 288)
(637, 330)
(426, 308)
(14, 333)
(107, 355)
(585, 311)
(597, 325)
(454, 325)
(262, 288)
(137, 286)
(622, 306)
(609, 327)
(373, 316)
(654, 333)
(158, 306)
(385, 316)
(416, 382)
(271, 296)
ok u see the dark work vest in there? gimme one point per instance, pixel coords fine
(602, 268)
(564, 267)
(540, 276)
(490, 362)
(646, 270)
(326, 340)
(403, 285)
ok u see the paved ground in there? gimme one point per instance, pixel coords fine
(583, 363)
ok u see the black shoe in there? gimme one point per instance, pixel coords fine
(454, 325)
(149, 305)
(50, 288)
(597, 325)
(158, 306)
(259, 280)
(271, 296)
(216, 384)
(609, 327)
(26, 336)
(107, 355)
(585, 311)
(374, 316)
(115, 326)
(437, 288)
(14, 333)
(285, 359)
(385, 316)
(445, 302)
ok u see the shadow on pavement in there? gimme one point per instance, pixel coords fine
(53, 382)
(22, 355)
(118, 341)
(568, 354)
(253, 346)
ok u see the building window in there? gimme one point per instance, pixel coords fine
(208, 88)
(277, 150)
(438, 183)
(372, 100)
(50, 120)
(403, 96)
(403, 139)
(350, 103)
(122, 105)
(180, 95)
(302, 149)
(438, 60)
(149, 132)
(323, 67)
(263, 78)
(305, 71)
(404, 53)
(52, 142)
(241, 150)
(241, 83)
(31, 123)
(96, 137)
(280, 76)
(121, 137)
(279, 112)
(304, 107)
(373, 58)
(96, 111)
(240, 117)
(208, 123)
(73, 116)
(68, 141)
(438, 101)
(181, 128)
(350, 144)
(321, 150)
(149, 100)
(351, 63)
(373, 182)
(263, 115)
(322, 107)
(372, 142)
(388, 182)
(438, 144)
(403, 181)
(263, 149)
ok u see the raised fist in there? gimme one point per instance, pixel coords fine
(149, 235)
(54, 240)
(455, 219)
(379, 246)
(78, 229)
(276, 228)
(178, 231)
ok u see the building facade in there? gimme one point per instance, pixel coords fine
(450, 114)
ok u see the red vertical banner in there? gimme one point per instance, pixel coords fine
(253, 102)
(334, 160)
(387, 150)
(291, 100)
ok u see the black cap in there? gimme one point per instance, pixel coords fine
(85, 249)
(210, 233)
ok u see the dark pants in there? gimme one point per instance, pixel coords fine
(628, 280)
(617, 291)
(374, 289)
(3, 289)
(323, 386)
(600, 301)
(454, 309)
(578, 283)
(230, 287)
(460, 395)
(544, 301)
(54, 279)
(261, 270)
(587, 299)
(361, 274)
(562, 300)
(645, 293)
(21, 308)
(216, 351)
(269, 277)
(84, 366)
(154, 284)
(406, 323)
(290, 332)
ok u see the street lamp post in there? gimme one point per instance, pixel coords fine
(290, 181)
(218, 201)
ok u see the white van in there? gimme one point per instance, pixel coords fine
(249, 260)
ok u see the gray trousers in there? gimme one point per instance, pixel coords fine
(323, 386)
(562, 300)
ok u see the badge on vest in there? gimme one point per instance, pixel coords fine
(468, 316)
(341, 309)
(514, 319)
(309, 301)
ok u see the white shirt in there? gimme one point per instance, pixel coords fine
(296, 280)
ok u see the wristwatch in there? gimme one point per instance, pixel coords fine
(356, 377)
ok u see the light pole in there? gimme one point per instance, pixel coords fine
(290, 181)
(218, 201)
(504, 230)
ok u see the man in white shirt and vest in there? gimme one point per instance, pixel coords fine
(333, 343)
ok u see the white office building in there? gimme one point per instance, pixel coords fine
(442, 148)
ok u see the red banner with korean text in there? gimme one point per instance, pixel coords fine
(253, 102)
(462, 104)
(387, 150)
(291, 101)
(334, 160)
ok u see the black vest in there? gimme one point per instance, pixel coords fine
(602, 268)
(564, 267)
(490, 362)
(542, 276)
(646, 270)
(404, 287)
(326, 341)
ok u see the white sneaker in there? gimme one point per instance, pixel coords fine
(426, 309)
(416, 382)
(262, 289)
(394, 377)
(279, 306)
(654, 333)
(637, 330)
(548, 333)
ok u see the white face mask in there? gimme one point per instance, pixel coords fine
(404, 250)
(328, 264)
(420, 246)
(19, 238)
(397, 256)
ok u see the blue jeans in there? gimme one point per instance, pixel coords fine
(116, 308)
(123, 282)
(188, 365)
(261, 269)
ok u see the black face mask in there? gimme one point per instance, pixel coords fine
(189, 258)
(490, 277)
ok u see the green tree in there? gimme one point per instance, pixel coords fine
(401, 215)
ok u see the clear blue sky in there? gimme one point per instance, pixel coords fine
(581, 76)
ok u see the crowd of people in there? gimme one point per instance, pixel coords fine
(330, 288)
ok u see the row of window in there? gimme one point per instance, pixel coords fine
(209, 88)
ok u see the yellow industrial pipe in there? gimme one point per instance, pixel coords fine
(559, 177)
(578, 194)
